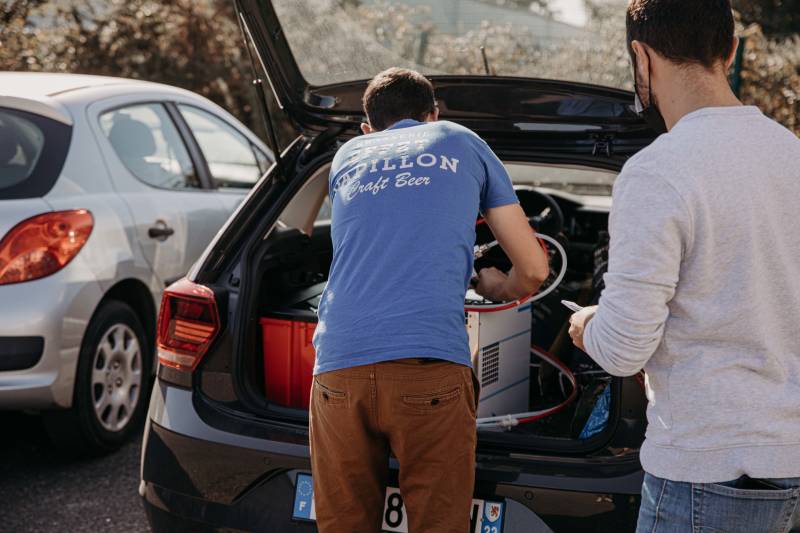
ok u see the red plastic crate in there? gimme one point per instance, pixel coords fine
(288, 360)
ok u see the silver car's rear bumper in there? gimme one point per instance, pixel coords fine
(56, 308)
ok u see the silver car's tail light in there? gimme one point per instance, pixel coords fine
(43, 244)
(187, 324)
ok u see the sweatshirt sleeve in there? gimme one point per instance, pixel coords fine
(650, 229)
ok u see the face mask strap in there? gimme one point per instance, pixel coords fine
(650, 102)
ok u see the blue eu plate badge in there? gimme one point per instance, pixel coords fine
(304, 498)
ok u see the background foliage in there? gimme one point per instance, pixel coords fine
(196, 44)
(777, 17)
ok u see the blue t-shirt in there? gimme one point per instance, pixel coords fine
(405, 201)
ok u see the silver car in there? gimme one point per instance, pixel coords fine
(109, 190)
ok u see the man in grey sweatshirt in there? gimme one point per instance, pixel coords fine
(703, 284)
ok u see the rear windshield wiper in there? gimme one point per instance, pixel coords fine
(486, 61)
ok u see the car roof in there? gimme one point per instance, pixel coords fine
(39, 92)
(50, 84)
(53, 95)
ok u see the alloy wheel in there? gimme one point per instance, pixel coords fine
(116, 381)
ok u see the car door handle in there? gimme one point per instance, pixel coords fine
(160, 231)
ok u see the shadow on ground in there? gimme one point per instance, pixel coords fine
(43, 491)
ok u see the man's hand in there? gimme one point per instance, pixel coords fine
(577, 324)
(510, 227)
(492, 284)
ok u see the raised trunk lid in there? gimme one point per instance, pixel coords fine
(319, 54)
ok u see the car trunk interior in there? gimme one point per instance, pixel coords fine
(567, 203)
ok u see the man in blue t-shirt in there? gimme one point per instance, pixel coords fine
(393, 370)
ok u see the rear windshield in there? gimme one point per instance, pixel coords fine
(335, 41)
(32, 151)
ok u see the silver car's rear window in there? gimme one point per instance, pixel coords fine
(32, 151)
(21, 145)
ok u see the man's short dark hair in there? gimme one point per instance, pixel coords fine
(684, 31)
(396, 94)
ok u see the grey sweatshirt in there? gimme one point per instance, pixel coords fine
(703, 292)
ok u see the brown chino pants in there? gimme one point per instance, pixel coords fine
(423, 411)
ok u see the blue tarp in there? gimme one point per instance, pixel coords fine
(599, 418)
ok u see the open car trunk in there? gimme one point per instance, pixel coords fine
(513, 347)
(316, 57)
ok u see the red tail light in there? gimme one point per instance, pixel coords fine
(42, 245)
(187, 324)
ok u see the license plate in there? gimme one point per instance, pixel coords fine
(486, 516)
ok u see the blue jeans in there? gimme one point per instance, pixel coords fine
(742, 505)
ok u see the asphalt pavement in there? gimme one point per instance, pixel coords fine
(43, 491)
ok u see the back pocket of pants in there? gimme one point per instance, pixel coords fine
(718, 508)
(327, 396)
(432, 401)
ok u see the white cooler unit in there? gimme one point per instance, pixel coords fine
(500, 344)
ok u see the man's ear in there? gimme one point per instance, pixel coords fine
(366, 128)
(642, 60)
(732, 56)
(433, 116)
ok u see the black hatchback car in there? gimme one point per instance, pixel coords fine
(226, 442)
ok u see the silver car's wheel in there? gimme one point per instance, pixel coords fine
(112, 384)
(116, 380)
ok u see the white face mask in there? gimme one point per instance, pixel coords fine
(637, 103)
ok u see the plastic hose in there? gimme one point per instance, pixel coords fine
(511, 420)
